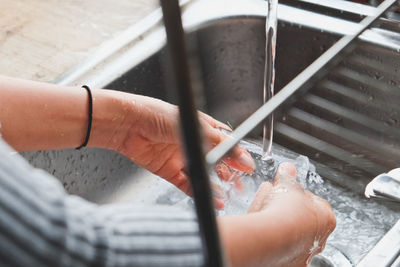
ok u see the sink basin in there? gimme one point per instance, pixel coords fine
(230, 46)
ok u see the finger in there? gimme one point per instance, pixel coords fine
(326, 221)
(236, 179)
(238, 158)
(216, 190)
(260, 200)
(181, 181)
(328, 215)
(213, 122)
(239, 185)
(223, 171)
(218, 196)
(225, 174)
(286, 173)
(219, 203)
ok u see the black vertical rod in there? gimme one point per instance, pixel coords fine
(190, 128)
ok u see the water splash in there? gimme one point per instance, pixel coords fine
(237, 200)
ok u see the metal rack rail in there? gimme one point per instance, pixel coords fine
(190, 128)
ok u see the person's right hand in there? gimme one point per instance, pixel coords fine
(286, 225)
(147, 131)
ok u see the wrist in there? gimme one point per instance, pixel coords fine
(262, 238)
(113, 115)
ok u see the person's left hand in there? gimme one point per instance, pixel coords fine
(286, 225)
(151, 139)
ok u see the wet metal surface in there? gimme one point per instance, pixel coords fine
(347, 124)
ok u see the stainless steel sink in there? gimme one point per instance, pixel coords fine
(331, 124)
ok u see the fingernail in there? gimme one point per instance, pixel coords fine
(246, 160)
(286, 170)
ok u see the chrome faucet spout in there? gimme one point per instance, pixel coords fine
(385, 186)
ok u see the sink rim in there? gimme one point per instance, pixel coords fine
(332, 256)
(145, 38)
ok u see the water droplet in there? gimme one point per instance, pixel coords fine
(378, 76)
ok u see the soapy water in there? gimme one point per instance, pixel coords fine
(237, 200)
(360, 223)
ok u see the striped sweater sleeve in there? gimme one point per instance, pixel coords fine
(41, 225)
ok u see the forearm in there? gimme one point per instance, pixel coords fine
(40, 116)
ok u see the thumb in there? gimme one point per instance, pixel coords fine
(261, 199)
(286, 173)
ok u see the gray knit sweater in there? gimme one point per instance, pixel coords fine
(41, 225)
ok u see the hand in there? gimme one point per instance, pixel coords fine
(286, 225)
(152, 140)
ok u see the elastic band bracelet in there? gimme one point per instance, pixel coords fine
(89, 128)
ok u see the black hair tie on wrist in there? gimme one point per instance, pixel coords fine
(89, 128)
